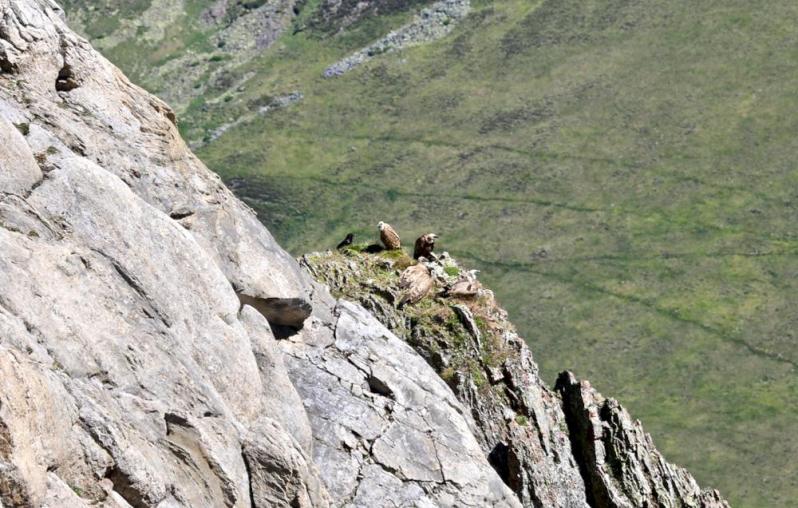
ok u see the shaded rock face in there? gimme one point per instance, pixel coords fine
(620, 464)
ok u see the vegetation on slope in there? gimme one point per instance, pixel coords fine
(621, 170)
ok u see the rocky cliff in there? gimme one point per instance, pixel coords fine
(564, 447)
(158, 348)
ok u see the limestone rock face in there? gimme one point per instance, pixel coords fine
(129, 374)
(387, 429)
(17, 154)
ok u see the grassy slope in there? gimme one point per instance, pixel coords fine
(621, 170)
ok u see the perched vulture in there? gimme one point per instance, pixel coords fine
(346, 242)
(415, 282)
(388, 236)
(424, 246)
(464, 287)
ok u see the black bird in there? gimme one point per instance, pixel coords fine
(346, 241)
(374, 248)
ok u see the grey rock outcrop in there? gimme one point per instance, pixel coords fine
(387, 429)
(430, 24)
(129, 375)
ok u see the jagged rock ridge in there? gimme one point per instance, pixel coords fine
(139, 306)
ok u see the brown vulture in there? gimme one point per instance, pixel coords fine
(415, 282)
(424, 246)
(388, 236)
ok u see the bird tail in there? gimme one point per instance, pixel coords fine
(402, 301)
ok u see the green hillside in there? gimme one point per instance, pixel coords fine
(622, 172)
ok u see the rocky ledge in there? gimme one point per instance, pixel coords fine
(563, 447)
(158, 348)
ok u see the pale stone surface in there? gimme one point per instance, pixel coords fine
(373, 402)
(18, 169)
(130, 374)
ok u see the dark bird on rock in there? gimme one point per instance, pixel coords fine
(388, 236)
(374, 248)
(346, 242)
(424, 246)
(415, 282)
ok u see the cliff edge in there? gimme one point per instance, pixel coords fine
(564, 447)
(158, 348)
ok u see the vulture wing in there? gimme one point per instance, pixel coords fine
(412, 274)
(464, 288)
